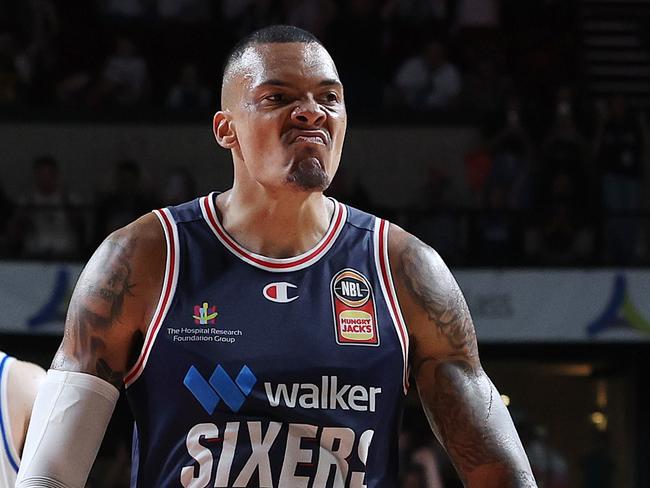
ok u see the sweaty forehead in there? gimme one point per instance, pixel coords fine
(288, 62)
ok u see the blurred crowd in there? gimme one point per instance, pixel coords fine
(425, 464)
(416, 55)
(568, 194)
(557, 178)
(49, 222)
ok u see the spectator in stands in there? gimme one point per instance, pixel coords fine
(512, 155)
(189, 93)
(486, 84)
(439, 226)
(428, 80)
(243, 16)
(478, 14)
(312, 15)
(497, 231)
(360, 62)
(424, 458)
(563, 235)
(548, 464)
(6, 211)
(124, 11)
(564, 151)
(496, 234)
(184, 11)
(597, 465)
(9, 75)
(125, 79)
(48, 222)
(618, 147)
(179, 187)
(124, 202)
(414, 477)
(39, 54)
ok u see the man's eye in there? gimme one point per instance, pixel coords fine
(276, 97)
(331, 97)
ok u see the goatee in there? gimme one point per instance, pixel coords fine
(308, 174)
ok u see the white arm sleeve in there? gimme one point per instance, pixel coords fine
(69, 419)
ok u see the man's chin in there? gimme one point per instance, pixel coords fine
(308, 175)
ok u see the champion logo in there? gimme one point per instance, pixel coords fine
(279, 292)
(219, 387)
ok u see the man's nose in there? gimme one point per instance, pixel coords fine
(308, 112)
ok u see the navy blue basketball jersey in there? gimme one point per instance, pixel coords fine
(265, 372)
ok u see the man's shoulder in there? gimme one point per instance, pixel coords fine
(147, 231)
(407, 252)
(140, 246)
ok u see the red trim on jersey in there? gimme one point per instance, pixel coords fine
(384, 265)
(279, 264)
(157, 320)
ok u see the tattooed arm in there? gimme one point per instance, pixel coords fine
(113, 302)
(464, 408)
(109, 311)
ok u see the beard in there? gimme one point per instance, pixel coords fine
(308, 174)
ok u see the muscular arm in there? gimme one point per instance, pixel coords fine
(107, 319)
(464, 408)
(113, 302)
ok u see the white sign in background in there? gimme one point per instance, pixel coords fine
(507, 306)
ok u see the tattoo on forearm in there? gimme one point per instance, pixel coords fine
(461, 415)
(447, 311)
(460, 401)
(95, 310)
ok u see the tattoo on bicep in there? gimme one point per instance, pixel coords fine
(105, 372)
(112, 289)
(446, 309)
(96, 309)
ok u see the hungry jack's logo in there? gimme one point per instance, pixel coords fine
(353, 304)
(204, 314)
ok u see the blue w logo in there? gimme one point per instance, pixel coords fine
(220, 387)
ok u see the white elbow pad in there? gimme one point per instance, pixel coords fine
(68, 422)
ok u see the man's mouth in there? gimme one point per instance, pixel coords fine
(310, 140)
(318, 136)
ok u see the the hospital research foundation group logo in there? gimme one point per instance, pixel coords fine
(204, 314)
(204, 327)
(353, 305)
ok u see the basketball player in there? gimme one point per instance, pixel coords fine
(265, 335)
(19, 383)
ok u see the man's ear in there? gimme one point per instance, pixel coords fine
(224, 130)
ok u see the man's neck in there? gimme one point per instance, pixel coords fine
(276, 226)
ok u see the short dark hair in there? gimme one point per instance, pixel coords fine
(269, 35)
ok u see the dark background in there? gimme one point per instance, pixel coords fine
(557, 93)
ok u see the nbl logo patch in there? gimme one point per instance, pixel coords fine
(355, 317)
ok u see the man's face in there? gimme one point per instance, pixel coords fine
(287, 109)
